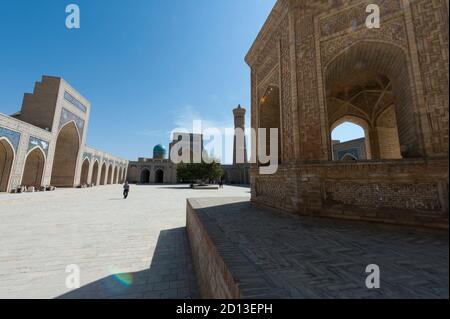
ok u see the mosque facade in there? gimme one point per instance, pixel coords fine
(44, 144)
(156, 170)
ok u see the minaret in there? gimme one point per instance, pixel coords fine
(239, 122)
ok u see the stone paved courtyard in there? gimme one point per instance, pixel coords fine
(138, 248)
(272, 255)
(125, 249)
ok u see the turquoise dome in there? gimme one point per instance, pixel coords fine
(159, 152)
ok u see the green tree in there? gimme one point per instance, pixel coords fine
(203, 172)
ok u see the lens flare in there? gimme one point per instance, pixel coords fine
(124, 278)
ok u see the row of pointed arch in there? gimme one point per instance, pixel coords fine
(64, 164)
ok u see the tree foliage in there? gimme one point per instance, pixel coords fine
(203, 172)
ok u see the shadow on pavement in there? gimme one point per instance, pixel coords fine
(170, 275)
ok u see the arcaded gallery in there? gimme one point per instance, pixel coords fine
(44, 144)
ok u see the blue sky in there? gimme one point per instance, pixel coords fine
(147, 66)
(347, 132)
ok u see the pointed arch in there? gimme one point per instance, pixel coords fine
(349, 157)
(361, 122)
(34, 167)
(110, 173)
(125, 172)
(66, 156)
(159, 176)
(85, 172)
(7, 156)
(120, 181)
(145, 176)
(94, 176)
(115, 181)
(103, 174)
(369, 75)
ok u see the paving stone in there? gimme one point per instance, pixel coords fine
(271, 253)
(123, 247)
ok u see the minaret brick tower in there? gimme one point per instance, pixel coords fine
(239, 122)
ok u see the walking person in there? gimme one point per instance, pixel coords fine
(126, 190)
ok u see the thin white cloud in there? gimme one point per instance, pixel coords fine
(186, 116)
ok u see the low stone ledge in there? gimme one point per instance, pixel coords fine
(206, 187)
(240, 251)
(223, 270)
(214, 278)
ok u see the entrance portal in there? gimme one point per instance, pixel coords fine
(94, 177)
(374, 94)
(120, 181)
(109, 179)
(84, 172)
(6, 160)
(66, 155)
(159, 176)
(115, 176)
(103, 175)
(145, 176)
(34, 168)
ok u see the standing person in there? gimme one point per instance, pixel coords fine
(126, 190)
(221, 183)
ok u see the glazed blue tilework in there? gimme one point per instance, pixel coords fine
(12, 136)
(98, 158)
(67, 116)
(34, 141)
(352, 151)
(88, 156)
(72, 100)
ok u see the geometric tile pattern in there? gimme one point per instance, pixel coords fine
(34, 141)
(12, 136)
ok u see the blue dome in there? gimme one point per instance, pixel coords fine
(159, 148)
(159, 152)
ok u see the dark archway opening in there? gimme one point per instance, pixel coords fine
(120, 181)
(103, 175)
(145, 176)
(159, 176)
(6, 161)
(66, 155)
(110, 175)
(84, 172)
(34, 169)
(115, 181)
(94, 177)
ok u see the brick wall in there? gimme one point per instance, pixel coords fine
(213, 277)
(309, 49)
(408, 192)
